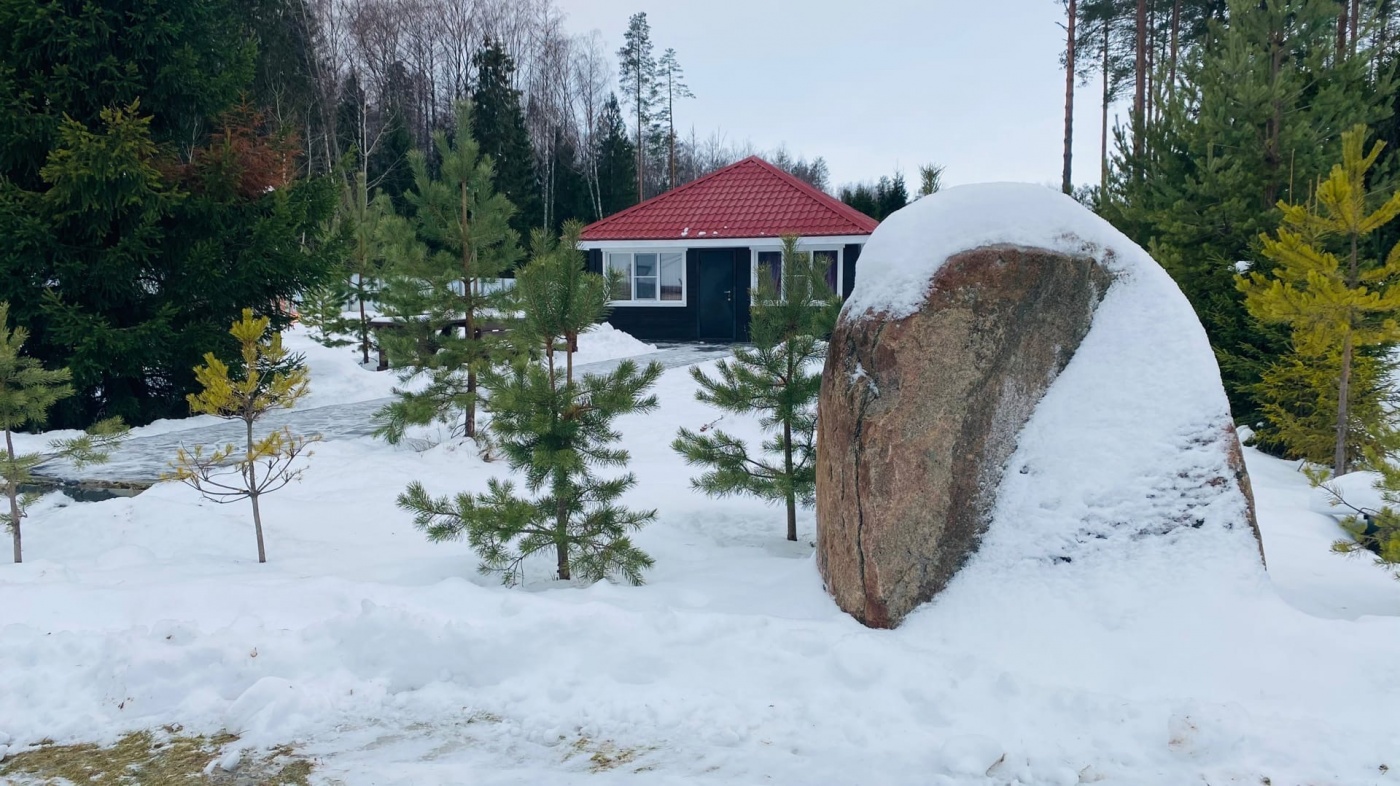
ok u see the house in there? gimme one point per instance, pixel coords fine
(691, 257)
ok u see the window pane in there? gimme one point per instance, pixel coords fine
(622, 284)
(770, 270)
(646, 265)
(646, 288)
(827, 261)
(672, 276)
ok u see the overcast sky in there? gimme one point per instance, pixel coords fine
(874, 85)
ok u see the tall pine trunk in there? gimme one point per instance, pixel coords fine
(1342, 31)
(1067, 179)
(1103, 119)
(640, 144)
(12, 491)
(364, 325)
(1355, 25)
(1176, 29)
(1140, 94)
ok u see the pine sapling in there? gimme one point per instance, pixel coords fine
(439, 285)
(778, 379)
(556, 430)
(269, 379)
(27, 391)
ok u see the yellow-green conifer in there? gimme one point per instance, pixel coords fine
(1339, 305)
(269, 379)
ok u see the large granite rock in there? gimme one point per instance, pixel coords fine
(929, 384)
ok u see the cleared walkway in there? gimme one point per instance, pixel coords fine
(141, 460)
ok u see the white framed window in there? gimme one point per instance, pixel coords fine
(647, 278)
(768, 266)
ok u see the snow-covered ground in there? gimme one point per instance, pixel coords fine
(390, 660)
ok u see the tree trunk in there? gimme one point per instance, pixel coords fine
(1273, 132)
(1355, 25)
(1342, 32)
(561, 528)
(787, 454)
(640, 143)
(252, 478)
(1067, 178)
(1140, 94)
(469, 318)
(1176, 28)
(12, 491)
(1339, 457)
(364, 325)
(1103, 120)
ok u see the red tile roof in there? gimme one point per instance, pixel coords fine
(751, 198)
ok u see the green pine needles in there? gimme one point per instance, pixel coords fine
(27, 392)
(439, 285)
(558, 431)
(778, 379)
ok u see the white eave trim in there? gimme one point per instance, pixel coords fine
(718, 242)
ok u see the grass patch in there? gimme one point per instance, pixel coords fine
(605, 755)
(146, 758)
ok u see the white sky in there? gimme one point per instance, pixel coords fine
(873, 85)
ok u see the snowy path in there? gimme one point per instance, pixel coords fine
(142, 459)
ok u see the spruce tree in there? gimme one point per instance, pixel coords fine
(557, 430)
(778, 379)
(617, 161)
(142, 206)
(322, 311)
(440, 285)
(266, 378)
(498, 126)
(27, 392)
(1337, 305)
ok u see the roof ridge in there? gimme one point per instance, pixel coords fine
(823, 214)
(673, 192)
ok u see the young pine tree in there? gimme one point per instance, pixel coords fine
(557, 430)
(438, 285)
(366, 221)
(27, 391)
(778, 379)
(267, 379)
(1337, 305)
(322, 310)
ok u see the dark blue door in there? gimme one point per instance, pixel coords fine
(717, 295)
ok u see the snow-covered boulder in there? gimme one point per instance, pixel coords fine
(1007, 359)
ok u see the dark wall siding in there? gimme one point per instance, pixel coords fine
(676, 323)
(848, 273)
(660, 323)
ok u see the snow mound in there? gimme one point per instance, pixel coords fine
(605, 342)
(900, 259)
